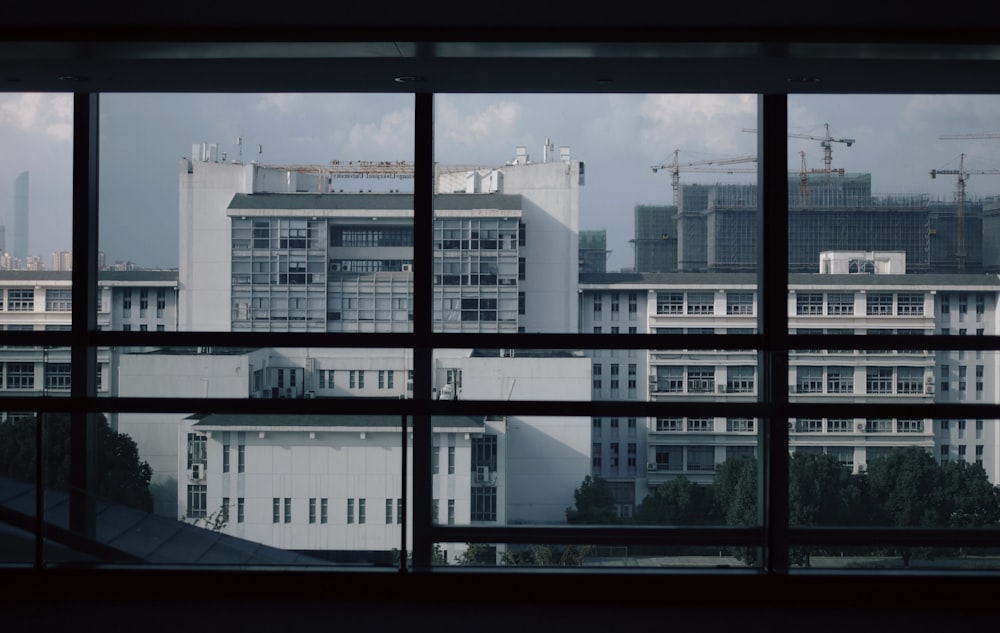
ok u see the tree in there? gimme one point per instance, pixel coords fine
(821, 491)
(678, 502)
(736, 498)
(595, 502)
(966, 497)
(121, 476)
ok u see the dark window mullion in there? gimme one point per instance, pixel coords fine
(423, 229)
(772, 275)
(84, 291)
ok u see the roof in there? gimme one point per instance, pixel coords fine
(375, 201)
(128, 534)
(334, 422)
(129, 276)
(712, 280)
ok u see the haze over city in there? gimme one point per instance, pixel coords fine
(619, 137)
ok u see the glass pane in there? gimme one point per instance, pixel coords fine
(259, 489)
(262, 227)
(522, 224)
(893, 472)
(596, 556)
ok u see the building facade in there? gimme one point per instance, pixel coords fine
(843, 304)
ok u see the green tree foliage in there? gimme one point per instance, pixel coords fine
(546, 556)
(966, 496)
(821, 491)
(595, 502)
(121, 476)
(903, 488)
(736, 491)
(678, 502)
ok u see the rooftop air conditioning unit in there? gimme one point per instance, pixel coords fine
(651, 466)
(720, 389)
(791, 426)
(197, 472)
(861, 427)
(407, 268)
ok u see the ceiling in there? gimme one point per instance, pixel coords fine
(458, 47)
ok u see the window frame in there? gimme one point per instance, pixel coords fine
(774, 344)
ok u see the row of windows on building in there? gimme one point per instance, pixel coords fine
(693, 457)
(875, 303)
(614, 455)
(161, 303)
(702, 303)
(701, 379)
(318, 508)
(23, 299)
(386, 378)
(614, 376)
(615, 306)
(23, 375)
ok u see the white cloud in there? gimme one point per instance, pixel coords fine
(392, 134)
(42, 114)
(279, 104)
(470, 128)
(699, 122)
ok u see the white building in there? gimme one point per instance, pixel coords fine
(333, 482)
(637, 455)
(302, 256)
(42, 300)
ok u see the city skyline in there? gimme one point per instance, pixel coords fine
(619, 137)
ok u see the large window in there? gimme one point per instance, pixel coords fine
(454, 284)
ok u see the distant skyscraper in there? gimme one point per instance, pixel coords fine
(62, 260)
(20, 245)
(3, 238)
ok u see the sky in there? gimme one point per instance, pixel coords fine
(619, 137)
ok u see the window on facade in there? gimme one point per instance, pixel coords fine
(669, 424)
(809, 303)
(839, 425)
(840, 303)
(197, 501)
(739, 425)
(878, 380)
(669, 303)
(57, 376)
(809, 425)
(739, 303)
(910, 380)
(910, 303)
(700, 303)
(840, 379)
(740, 379)
(878, 304)
(878, 425)
(701, 379)
(701, 458)
(60, 300)
(808, 379)
(20, 300)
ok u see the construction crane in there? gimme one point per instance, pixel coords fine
(963, 176)
(826, 142)
(804, 176)
(675, 168)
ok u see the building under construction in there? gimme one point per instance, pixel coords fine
(594, 251)
(717, 226)
(655, 240)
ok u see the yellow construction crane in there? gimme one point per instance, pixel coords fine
(826, 142)
(963, 175)
(675, 168)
